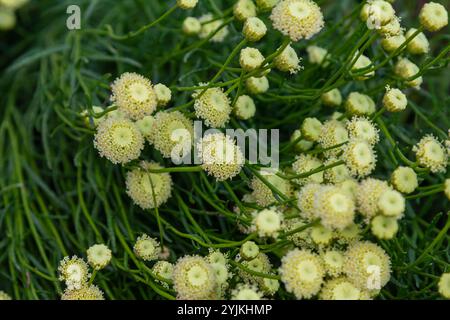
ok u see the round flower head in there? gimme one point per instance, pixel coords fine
(359, 157)
(244, 9)
(362, 128)
(367, 266)
(301, 144)
(305, 198)
(300, 239)
(383, 227)
(148, 190)
(12, 4)
(254, 29)
(359, 104)
(193, 278)
(377, 13)
(164, 270)
(444, 285)
(334, 207)
(431, 154)
(333, 260)
(171, 130)
(99, 256)
(92, 121)
(433, 16)
(266, 5)
(7, 19)
(405, 69)
(213, 106)
(392, 43)
(221, 275)
(191, 26)
(118, 140)
(317, 55)
(302, 273)
(249, 250)
(332, 98)
(74, 271)
(304, 164)
(297, 19)
(250, 59)
(260, 264)
(288, 61)
(163, 94)
(145, 126)
(267, 222)
(146, 248)
(311, 129)
(269, 286)
(209, 27)
(391, 203)
(221, 157)
(363, 62)
(394, 100)
(246, 292)
(245, 107)
(447, 188)
(215, 256)
(262, 194)
(256, 85)
(349, 187)
(335, 174)
(4, 296)
(419, 44)
(134, 95)
(333, 133)
(368, 194)
(342, 289)
(321, 236)
(187, 4)
(85, 292)
(404, 179)
(392, 28)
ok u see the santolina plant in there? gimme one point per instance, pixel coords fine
(229, 149)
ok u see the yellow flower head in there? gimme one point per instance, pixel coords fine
(359, 157)
(249, 250)
(333, 133)
(193, 278)
(267, 222)
(419, 44)
(257, 85)
(244, 9)
(405, 69)
(262, 194)
(394, 100)
(288, 61)
(246, 292)
(333, 261)
(245, 107)
(134, 95)
(191, 26)
(99, 256)
(433, 16)
(85, 292)
(213, 106)
(444, 285)
(163, 94)
(306, 197)
(298, 19)
(254, 29)
(250, 59)
(187, 4)
(367, 266)
(169, 130)
(221, 157)
(359, 104)
(305, 163)
(364, 129)
(431, 154)
(146, 248)
(311, 129)
(332, 98)
(383, 227)
(74, 271)
(317, 55)
(209, 27)
(404, 179)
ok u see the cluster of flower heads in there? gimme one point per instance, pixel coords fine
(7, 13)
(333, 196)
(74, 272)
